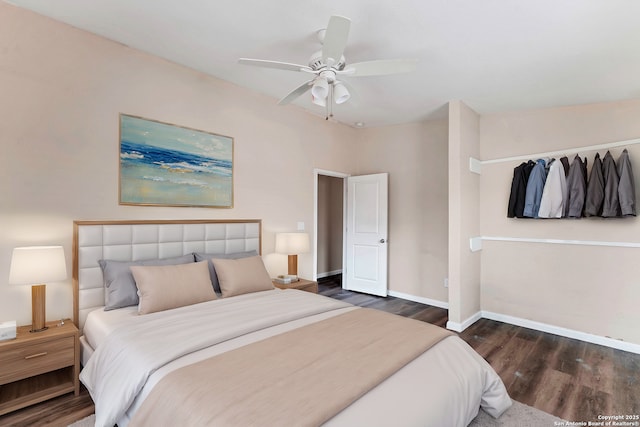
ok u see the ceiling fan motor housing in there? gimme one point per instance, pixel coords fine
(316, 63)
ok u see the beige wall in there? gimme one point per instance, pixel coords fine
(591, 289)
(464, 265)
(62, 90)
(415, 156)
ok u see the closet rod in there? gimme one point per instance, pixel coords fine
(562, 152)
(563, 242)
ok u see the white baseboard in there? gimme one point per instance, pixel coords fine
(525, 323)
(328, 273)
(459, 327)
(421, 300)
(564, 332)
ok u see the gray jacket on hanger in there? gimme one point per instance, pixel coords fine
(576, 189)
(626, 186)
(611, 205)
(595, 189)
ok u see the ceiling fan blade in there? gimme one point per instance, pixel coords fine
(335, 39)
(380, 67)
(274, 64)
(296, 93)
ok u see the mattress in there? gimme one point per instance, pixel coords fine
(100, 323)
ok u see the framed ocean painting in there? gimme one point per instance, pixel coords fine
(168, 165)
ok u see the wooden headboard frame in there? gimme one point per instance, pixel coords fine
(135, 240)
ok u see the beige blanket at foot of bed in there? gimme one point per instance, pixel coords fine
(299, 378)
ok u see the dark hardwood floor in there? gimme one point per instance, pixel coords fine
(568, 378)
(58, 412)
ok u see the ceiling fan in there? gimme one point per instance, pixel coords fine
(327, 64)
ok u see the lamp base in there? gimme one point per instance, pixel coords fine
(293, 265)
(38, 304)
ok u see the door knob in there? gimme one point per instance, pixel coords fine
(382, 240)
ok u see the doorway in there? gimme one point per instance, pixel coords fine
(357, 259)
(329, 224)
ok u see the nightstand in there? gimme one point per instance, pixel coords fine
(302, 284)
(38, 366)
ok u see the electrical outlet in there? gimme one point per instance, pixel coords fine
(446, 282)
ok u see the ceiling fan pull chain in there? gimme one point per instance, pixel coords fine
(330, 101)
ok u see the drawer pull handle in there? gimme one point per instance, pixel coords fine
(44, 353)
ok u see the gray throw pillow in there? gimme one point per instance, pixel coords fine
(119, 282)
(212, 271)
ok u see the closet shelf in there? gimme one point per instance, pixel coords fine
(562, 242)
(563, 152)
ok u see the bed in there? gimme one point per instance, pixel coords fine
(167, 351)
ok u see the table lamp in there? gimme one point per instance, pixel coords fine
(35, 265)
(292, 244)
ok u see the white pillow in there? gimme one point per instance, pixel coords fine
(172, 286)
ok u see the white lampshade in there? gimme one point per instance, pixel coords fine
(319, 101)
(340, 93)
(292, 243)
(320, 88)
(37, 264)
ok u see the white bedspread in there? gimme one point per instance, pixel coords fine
(444, 386)
(114, 374)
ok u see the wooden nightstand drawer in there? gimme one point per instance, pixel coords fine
(27, 360)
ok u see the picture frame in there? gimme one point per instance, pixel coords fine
(162, 164)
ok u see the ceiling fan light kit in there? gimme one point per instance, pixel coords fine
(322, 102)
(320, 88)
(340, 93)
(328, 63)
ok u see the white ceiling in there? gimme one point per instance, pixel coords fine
(495, 55)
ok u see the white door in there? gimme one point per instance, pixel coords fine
(366, 248)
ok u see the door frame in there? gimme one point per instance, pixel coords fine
(344, 176)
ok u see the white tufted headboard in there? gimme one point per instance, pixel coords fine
(140, 240)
